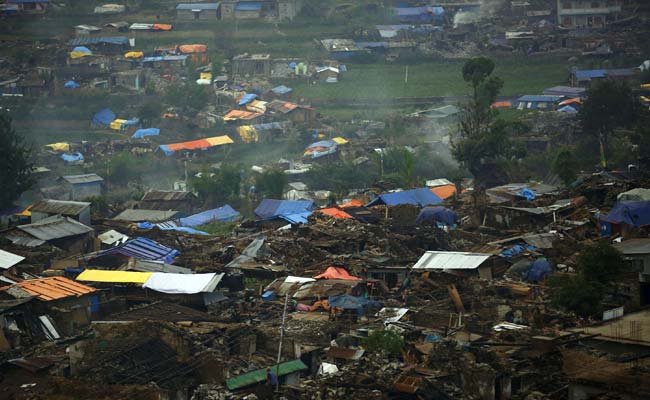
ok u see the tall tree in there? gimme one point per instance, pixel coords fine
(609, 105)
(565, 165)
(15, 164)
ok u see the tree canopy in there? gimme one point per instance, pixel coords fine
(15, 163)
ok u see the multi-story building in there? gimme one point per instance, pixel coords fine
(587, 13)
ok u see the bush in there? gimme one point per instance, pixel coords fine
(388, 342)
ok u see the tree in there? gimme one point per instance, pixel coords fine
(599, 267)
(565, 165)
(220, 186)
(271, 183)
(123, 167)
(16, 167)
(480, 143)
(150, 111)
(609, 105)
(388, 342)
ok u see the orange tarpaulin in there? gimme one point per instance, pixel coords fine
(350, 204)
(445, 191)
(334, 212)
(234, 115)
(575, 100)
(193, 48)
(337, 273)
(162, 27)
(501, 104)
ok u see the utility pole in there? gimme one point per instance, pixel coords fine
(277, 365)
(406, 75)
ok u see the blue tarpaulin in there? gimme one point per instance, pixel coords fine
(140, 133)
(297, 218)
(633, 213)
(516, 249)
(527, 193)
(82, 49)
(221, 214)
(418, 197)
(347, 302)
(130, 122)
(270, 208)
(104, 117)
(568, 109)
(248, 6)
(71, 85)
(538, 271)
(247, 99)
(269, 295)
(72, 157)
(169, 226)
(437, 214)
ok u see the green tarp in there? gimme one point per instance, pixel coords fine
(259, 375)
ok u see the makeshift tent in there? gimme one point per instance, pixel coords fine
(321, 149)
(632, 213)
(61, 146)
(71, 85)
(418, 197)
(444, 191)
(104, 117)
(134, 54)
(347, 302)
(221, 214)
(638, 194)
(337, 273)
(538, 270)
(282, 89)
(117, 124)
(80, 51)
(192, 48)
(248, 134)
(568, 109)
(72, 157)
(183, 283)
(351, 204)
(339, 140)
(140, 133)
(437, 215)
(501, 104)
(243, 115)
(246, 98)
(200, 144)
(334, 212)
(162, 27)
(269, 208)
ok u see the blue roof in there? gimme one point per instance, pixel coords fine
(590, 74)
(143, 249)
(140, 133)
(540, 98)
(248, 6)
(164, 58)
(437, 214)
(269, 208)
(83, 41)
(198, 6)
(104, 117)
(221, 214)
(418, 197)
(633, 213)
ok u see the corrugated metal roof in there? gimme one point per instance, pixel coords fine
(198, 6)
(83, 41)
(634, 246)
(55, 227)
(68, 208)
(85, 178)
(137, 215)
(166, 195)
(539, 98)
(8, 260)
(53, 288)
(450, 260)
(142, 249)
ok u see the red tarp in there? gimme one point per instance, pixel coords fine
(337, 273)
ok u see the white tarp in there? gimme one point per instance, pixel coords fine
(180, 283)
(8, 260)
(327, 368)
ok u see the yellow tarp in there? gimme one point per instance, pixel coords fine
(340, 140)
(219, 140)
(206, 75)
(98, 275)
(117, 124)
(61, 146)
(78, 54)
(248, 134)
(25, 213)
(645, 86)
(134, 54)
